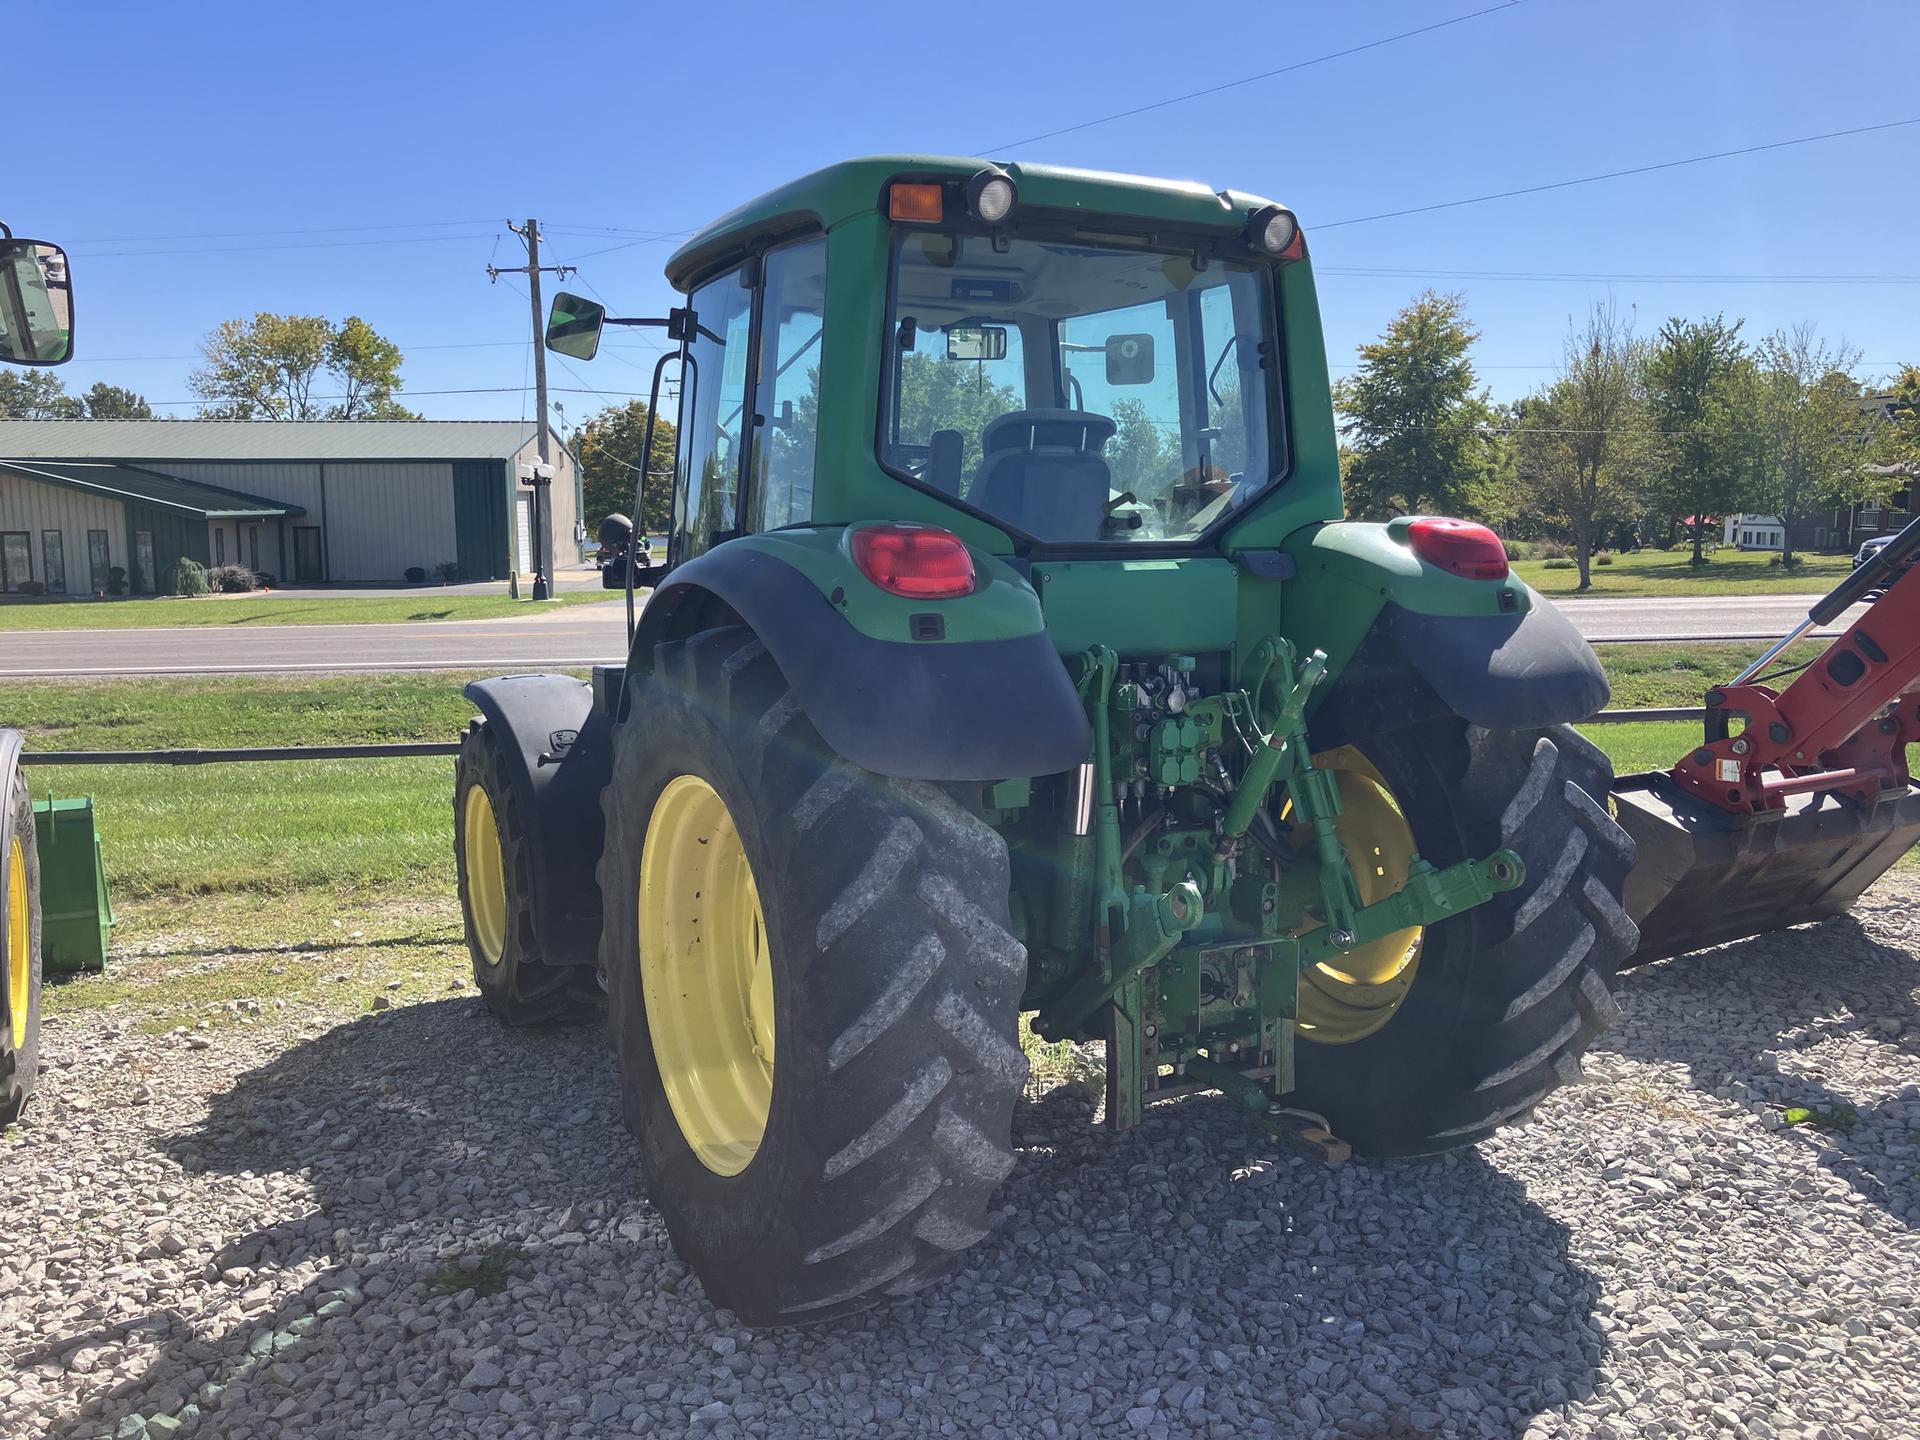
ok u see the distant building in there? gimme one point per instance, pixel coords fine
(1753, 532)
(306, 501)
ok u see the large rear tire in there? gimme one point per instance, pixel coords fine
(1507, 997)
(20, 958)
(493, 857)
(852, 1147)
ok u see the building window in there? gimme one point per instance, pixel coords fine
(144, 580)
(219, 546)
(99, 562)
(16, 560)
(53, 552)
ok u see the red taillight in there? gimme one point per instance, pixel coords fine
(1459, 547)
(921, 562)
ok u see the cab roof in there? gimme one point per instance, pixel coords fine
(824, 198)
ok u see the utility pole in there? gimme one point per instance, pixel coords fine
(542, 527)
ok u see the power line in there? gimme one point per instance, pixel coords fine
(1254, 79)
(306, 245)
(1616, 174)
(468, 390)
(257, 234)
(1370, 272)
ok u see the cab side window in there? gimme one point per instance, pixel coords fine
(787, 397)
(713, 417)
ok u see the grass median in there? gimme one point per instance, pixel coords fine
(272, 881)
(257, 611)
(1644, 573)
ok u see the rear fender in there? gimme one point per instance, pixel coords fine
(559, 757)
(956, 690)
(1409, 641)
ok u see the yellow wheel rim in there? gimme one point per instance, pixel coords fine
(19, 961)
(1348, 999)
(486, 875)
(706, 974)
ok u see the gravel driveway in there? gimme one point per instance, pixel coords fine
(417, 1224)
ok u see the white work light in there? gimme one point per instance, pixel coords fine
(990, 195)
(1274, 229)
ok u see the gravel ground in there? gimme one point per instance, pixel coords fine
(416, 1224)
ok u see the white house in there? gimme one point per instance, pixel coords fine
(1755, 532)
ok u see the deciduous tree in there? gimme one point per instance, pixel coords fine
(36, 395)
(115, 402)
(1586, 447)
(1416, 422)
(1691, 367)
(299, 367)
(1807, 432)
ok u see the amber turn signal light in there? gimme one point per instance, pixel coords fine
(915, 201)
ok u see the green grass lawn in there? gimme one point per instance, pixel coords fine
(78, 613)
(1671, 572)
(1661, 675)
(318, 883)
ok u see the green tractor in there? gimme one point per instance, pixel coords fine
(1010, 654)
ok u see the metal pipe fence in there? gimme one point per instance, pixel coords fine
(414, 749)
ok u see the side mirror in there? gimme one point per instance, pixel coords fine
(976, 342)
(1130, 359)
(573, 326)
(36, 303)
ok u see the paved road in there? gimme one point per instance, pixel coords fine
(583, 635)
(569, 638)
(1698, 617)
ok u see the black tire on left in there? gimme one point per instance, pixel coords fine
(519, 986)
(896, 989)
(20, 1037)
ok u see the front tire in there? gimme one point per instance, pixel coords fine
(1509, 996)
(884, 1130)
(20, 955)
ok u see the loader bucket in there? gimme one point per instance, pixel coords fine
(75, 915)
(1705, 876)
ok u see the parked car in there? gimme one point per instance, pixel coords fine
(1872, 548)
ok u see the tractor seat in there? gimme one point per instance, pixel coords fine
(1043, 471)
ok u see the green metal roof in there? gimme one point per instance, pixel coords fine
(149, 487)
(852, 187)
(265, 440)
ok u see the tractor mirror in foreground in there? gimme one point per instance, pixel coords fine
(1130, 359)
(36, 303)
(573, 326)
(976, 342)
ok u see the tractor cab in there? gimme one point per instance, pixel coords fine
(1043, 361)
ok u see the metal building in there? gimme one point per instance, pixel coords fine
(307, 501)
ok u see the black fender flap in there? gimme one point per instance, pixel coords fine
(919, 710)
(1506, 672)
(559, 753)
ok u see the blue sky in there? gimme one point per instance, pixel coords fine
(356, 158)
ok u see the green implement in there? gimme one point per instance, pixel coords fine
(75, 912)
